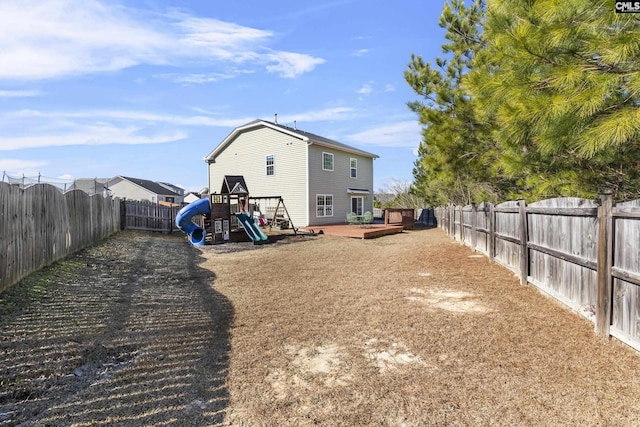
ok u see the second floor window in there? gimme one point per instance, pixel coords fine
(327, 161)
(271, 164)
(354, 168)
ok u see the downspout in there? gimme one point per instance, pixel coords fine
(207, 161)
(308, 210)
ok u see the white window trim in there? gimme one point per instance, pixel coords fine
(361, 203)
(266, 164)
(324, 206)
(351, 168)
(333, 159)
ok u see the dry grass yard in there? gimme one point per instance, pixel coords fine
(404, 330)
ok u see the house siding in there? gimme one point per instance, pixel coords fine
(127, 190)
(337, 182)
(246, 156)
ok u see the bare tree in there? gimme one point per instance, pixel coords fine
(402, 195)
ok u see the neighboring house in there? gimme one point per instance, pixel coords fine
(191, 197)
(91, 185)
(142, 189)
(320, 180)
(173, 188)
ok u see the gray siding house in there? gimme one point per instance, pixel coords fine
(142, 189)
(320, 180)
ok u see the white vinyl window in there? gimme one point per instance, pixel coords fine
(353, 165)
(271, 165)
(324, 205)
(327, 161)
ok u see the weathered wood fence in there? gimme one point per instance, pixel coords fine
(400, 216)
(148, 216)
(40, 225)
(585, 253)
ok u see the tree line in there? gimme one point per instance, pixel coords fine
(530, 99)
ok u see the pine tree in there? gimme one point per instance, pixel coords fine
(561, 80)
(456, 156)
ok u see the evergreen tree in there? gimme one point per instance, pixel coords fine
(456, 156)
(561, 80)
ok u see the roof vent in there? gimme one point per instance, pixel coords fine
(295, 125)
(276, 118)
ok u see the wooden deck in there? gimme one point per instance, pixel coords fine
(357, 231)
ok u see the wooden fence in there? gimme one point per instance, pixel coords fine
(399, 216)
(40, 225)
(585, 253)
(148, 216)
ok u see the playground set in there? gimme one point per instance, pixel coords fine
(224, 214)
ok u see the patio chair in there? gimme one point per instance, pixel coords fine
(367, 218)
(352, 218)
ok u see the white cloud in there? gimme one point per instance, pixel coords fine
(17, 166)
(19, 93)
(366, 89)
(360, 52)
(103, 127)
(290, 64)
(98, 134)
(40, 39)
(406, 134)
(217, 38)
(195, 78)
(59, 119)
(203, 78)
(46, 39)
(337, 113)
(389, 88)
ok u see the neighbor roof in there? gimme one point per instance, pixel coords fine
(154, 187)
(308, 137)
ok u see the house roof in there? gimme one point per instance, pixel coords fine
(172, 187)
(307, 137)
(154, 187)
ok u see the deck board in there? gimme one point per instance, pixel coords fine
(357, 231)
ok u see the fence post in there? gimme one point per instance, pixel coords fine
(605, 247)
(474, 225)
(123, 214)
(454, 209)
(445, 218)
(461, 224)
(492, 231)
(524, 252)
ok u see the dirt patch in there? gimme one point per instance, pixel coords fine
(455, 301)
(405, 330)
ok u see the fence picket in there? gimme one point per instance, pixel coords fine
(40, 225)
(147, 216)
(580, 252)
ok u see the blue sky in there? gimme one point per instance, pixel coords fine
(147, 88)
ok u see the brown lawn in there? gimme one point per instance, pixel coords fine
(404, 330)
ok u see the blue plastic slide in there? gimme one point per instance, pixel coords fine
(196, 234)
(252, 229)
